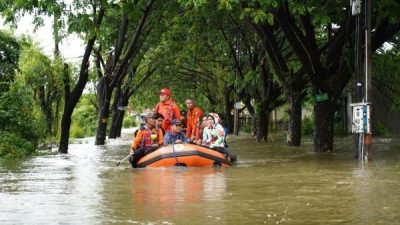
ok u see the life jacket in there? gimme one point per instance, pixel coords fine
(145, 141)
(167, 111)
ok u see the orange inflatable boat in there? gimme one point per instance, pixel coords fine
(184, 155)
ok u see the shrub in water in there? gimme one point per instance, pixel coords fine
(13, 146)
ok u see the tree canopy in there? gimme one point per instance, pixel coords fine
(261, 53)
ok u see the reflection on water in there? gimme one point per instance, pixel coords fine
(170, 190)
(272, 184)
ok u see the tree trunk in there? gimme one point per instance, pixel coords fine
(324, 118)
(119, 122)
(116, 124)
(46, 109)
(262, 123)
(66, 117)
(253, 127)
(294, 132)
(113, 131)
(228, 118)
(103, 103)
(121, 99)
(102, 124)
(65, 127)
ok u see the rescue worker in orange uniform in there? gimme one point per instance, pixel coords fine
(193, 115)
(168, 108)
(147, 140)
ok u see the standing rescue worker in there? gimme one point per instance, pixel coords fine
(148, 139)
(168, 108)
(193, 115)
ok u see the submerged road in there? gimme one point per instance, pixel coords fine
(272, 184)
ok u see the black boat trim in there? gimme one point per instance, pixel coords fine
(182, 154)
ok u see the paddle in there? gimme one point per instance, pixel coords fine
(126, 157)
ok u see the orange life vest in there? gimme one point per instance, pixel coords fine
(146, 140)
(168, 109)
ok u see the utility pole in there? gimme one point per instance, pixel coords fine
(362, 106)
(356, 11)
(368, 84)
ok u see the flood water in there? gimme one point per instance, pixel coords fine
(272, 184)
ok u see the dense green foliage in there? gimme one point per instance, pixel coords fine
(22, 127)
(44, 77)
(9, 54)
(84, 118)
(129, 121)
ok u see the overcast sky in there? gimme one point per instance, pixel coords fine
(71, 48)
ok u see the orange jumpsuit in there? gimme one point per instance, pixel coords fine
(193, 116)
(170, 110)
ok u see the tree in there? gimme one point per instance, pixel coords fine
(286, 69)
(127, 46)
(71, 98)
(323, 54)
(253, 70)
(44, 77)
(82, 17)
(9, 55)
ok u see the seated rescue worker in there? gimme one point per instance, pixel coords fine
(147, 140)
(159, 120)
(175, 135)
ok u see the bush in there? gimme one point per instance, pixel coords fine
(77, 131)
(21, 131)
(84, 119)
(13, 146)
(129, 122)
